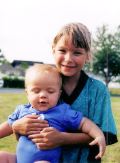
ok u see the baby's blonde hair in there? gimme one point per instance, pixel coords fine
(36, 68)
(78, 33)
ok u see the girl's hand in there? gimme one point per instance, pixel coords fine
(100, 141)
(29, 124)
(47, 138)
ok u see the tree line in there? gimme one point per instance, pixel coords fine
(106, 54)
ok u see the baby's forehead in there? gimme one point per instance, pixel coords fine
(54, 75)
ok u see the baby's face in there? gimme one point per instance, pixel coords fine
(43, 91)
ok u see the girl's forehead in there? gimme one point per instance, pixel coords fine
(74, 40)
(65, 40)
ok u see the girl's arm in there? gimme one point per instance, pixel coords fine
(29, 124)
(5, 129)
(50, 137)
(87, 126)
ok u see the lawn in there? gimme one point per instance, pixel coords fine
(8, 103)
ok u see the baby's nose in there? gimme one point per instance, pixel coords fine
(42, 94)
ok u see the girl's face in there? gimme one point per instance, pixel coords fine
(69, 59)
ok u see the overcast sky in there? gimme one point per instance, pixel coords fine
(27, 27)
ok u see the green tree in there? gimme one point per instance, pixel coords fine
(3, 60)
(106, 53)
(24, 65)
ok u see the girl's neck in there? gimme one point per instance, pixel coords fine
(70, 83)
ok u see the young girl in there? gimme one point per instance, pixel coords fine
(71, 50)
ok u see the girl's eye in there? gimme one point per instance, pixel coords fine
(77, 53)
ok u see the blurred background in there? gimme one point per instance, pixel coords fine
(27, 28)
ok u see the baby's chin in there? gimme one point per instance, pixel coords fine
(42, 109)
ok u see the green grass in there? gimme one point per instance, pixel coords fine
(112, 154)
(115, 91)
(8, 103)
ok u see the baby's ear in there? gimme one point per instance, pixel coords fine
(26, 91)
(60, 93)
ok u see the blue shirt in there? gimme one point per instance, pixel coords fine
(91, 97)
(62, 117)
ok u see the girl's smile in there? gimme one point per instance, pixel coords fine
(69, 59)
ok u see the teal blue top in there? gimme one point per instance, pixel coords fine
(91, 97)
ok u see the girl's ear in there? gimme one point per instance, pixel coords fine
(89, 57)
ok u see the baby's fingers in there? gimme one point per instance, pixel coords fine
(101, 145)
(93, 142)
(101, 152)
(98, 156)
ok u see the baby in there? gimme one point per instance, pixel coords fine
(43, 88)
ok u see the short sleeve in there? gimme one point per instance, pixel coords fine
(72, 119)
(105, 119)
(15, 115)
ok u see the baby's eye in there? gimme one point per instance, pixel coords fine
(36, 91)
(61, 50)
(51, 91)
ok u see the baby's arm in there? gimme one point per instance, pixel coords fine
(87, 126)
(5, 129)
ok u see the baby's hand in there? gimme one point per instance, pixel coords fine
(100, 141)
(42, 117)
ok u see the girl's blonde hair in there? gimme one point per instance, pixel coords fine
(78, 33)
